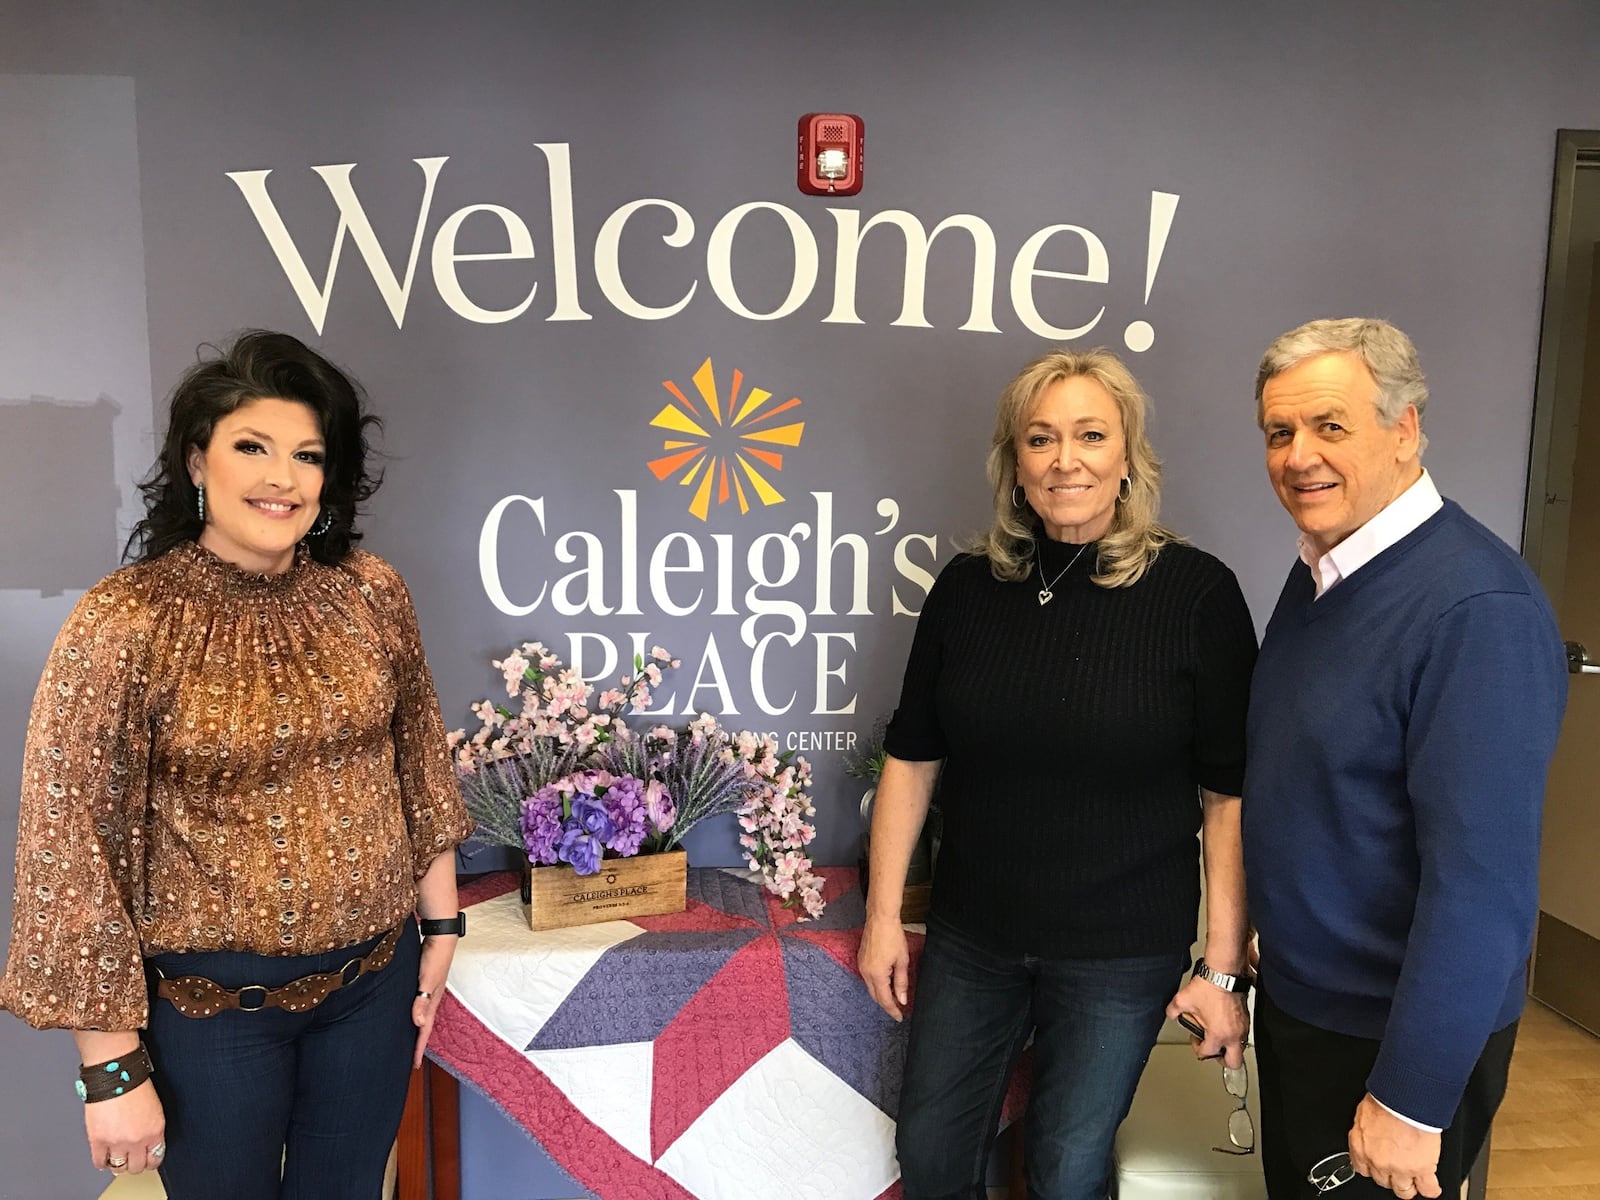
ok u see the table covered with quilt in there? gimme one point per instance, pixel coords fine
(727, 1052)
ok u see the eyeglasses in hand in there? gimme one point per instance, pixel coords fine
(1241, 1129)
(1331, 1172)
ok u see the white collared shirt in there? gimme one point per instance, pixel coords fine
(1399, 517)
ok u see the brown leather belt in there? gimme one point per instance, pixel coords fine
(196, 996)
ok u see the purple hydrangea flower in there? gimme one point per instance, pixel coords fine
(624, 801)
(580, 849)
(541, 825)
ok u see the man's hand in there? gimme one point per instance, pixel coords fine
(885, 964)
(1392, 1154)
(1221, 1014)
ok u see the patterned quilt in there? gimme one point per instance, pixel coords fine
(728, 1052)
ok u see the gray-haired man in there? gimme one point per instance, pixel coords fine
(1403, 713)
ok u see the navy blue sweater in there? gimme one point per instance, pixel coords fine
(1400, 730)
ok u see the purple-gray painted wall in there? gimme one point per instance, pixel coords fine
(1366, 157)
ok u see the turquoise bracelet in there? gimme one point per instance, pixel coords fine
(108, 1080)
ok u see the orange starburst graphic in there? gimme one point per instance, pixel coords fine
(715, 446)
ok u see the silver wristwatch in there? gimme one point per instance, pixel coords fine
(1237, 984)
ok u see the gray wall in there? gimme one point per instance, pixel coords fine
(1351, 158)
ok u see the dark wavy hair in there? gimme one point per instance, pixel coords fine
(260, 365)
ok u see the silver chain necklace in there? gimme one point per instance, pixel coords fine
(1047, 592)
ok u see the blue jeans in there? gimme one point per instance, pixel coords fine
(319, 1092)
(1094, 1022)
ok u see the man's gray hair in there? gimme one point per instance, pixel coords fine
(1385, 351)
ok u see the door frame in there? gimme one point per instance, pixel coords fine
(1556, 393)
(1568, 956)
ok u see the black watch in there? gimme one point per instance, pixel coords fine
(456, 925)
(1237, 984)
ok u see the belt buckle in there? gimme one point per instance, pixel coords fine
(345, 977)
(253, 987)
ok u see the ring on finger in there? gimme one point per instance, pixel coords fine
(424, 995)
(116, 1164)
(158, 1150)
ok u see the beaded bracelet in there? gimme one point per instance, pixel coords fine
(107, 1080)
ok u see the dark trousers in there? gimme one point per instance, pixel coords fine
(1311, 1081)
(318, 1093)
(1093, 1022)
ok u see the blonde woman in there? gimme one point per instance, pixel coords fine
(1077, 686)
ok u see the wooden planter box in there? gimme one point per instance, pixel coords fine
(642, 886)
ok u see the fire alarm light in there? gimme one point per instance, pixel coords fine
(830, 153)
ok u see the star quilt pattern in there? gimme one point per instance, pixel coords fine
(727, 1052)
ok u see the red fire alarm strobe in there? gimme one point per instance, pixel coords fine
(830, 153)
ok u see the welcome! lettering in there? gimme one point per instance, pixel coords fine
(1073, 310)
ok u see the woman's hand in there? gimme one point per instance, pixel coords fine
(885, 964)
(125, 1129)
(432, 972)
(436, 897)
(905, 790)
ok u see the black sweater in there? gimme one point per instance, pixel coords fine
(1075, 735)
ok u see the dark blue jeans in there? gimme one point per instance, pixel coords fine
(1094, 1022)
(318, 1092)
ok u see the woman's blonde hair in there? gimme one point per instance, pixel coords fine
(1135, 537)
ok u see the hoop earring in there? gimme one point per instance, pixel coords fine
(200, 502)
(324, 523)
(1018, 500)
(1125, 490)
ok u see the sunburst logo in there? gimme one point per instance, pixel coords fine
(715, 445)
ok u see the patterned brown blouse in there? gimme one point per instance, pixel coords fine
(222, 761)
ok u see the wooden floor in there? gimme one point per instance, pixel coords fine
(1546, 1141)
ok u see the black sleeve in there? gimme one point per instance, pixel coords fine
(914, 734)
(1225, 656)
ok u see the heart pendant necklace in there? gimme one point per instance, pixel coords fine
(1047, 592)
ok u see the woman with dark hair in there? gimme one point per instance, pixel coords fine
(237, 801)
(1077, 688)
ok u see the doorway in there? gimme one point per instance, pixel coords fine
(1561, 540)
